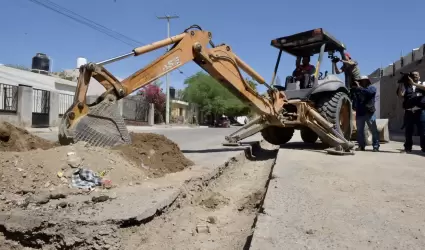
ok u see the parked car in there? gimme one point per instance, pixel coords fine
(223, 122)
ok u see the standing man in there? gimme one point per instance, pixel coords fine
(365, 93)
(413, 93)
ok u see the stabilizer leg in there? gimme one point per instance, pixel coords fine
(235, 138)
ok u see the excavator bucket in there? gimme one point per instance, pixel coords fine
(102, 126)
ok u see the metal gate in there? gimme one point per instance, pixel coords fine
(40, 108)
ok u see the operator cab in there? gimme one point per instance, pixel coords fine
(303, 46)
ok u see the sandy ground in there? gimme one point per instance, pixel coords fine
(40, 210)
(219, 215)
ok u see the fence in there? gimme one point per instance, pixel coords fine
(135, 108)
(41, 101)
(65, 101)
(8, 97)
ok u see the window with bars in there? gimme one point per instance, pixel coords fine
(8, 97)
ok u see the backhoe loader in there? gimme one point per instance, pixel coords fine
(323, 110)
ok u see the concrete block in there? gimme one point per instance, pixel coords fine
(25, 103)
(418, 53)
(398, 65)
(389, 70)
(151, 117)
(407, 59)
(54, 109)
(384, 134)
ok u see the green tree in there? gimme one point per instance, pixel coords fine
(252, 83)
(212, 97)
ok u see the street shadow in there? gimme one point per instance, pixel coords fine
(211, 150)
(370, 150)
(413, 152)
(258, 153)
(252, 151)
(318, 146)
(248, 143)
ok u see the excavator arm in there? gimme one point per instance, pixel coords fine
(101, 124)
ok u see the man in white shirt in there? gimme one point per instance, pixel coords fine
(412, 90)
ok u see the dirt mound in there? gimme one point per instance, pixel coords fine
(155, 153)
(38, 170)
(16, 139)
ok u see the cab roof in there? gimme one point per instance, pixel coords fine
(308, 43)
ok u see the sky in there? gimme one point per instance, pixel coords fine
(375, 32)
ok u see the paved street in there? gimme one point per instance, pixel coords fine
(202, 145)
(366, 201)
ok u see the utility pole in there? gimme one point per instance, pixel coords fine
(167, 102)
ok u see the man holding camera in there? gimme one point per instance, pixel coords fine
(349, 67)
(413, 93)
(365, 94)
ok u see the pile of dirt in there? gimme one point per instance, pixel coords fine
(17, 139)
(38, 170)
(155, 153)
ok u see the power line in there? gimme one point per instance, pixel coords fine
(91, 24)
(85, 21)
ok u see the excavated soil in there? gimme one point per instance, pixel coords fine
(155, 153)
(38, 170)
(18, 140)
(31, 163)
(218, 215)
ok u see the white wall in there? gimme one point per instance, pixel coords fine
(378, 99)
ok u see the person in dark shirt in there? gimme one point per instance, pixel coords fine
(365, 94)
(412, 90)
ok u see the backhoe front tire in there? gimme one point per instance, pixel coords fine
(336, 108)
(277, 135)
(308, 135)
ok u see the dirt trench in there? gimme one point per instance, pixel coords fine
(214, 212)
(220, 214)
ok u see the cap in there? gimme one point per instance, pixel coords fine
(365, 78)
(347, 55)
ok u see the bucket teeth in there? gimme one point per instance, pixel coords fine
(103, 126)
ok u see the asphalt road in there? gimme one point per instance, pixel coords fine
(201, 145)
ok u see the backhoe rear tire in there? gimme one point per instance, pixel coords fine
(277, 135)
(336, 108)
(308, 135)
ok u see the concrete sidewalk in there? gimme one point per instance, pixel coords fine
(365, 201)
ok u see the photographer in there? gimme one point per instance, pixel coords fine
(413, 92)
(349, 67)
(365, 94)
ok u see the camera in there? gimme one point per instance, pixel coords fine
(334, 59)
(404, 77)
